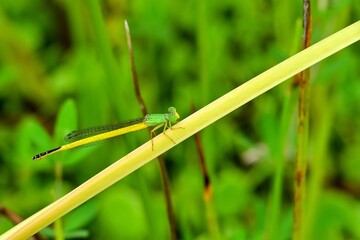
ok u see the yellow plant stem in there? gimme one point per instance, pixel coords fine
(191, 125)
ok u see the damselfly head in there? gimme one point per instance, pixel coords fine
(172, 111)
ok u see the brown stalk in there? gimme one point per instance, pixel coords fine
(213, 225)
(160, 160)
(16, 219)
(302, 80)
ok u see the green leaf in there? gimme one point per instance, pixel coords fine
(66, 120)
(31, 138)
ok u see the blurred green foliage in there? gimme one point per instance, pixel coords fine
(63, 67)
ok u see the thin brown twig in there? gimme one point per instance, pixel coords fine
(213, 225)
(160, 160)
(16, 219)
(134, 72)
(12, 216)
(206, 178)
(204, 171)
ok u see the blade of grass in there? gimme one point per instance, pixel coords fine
(275, 200)
(324, 121)
(78, 33)
(202, 46)
(289, 103)
(191, 125)
(104, 48)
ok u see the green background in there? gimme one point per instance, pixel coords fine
(64, 67)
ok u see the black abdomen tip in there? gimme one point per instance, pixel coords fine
(44, 154)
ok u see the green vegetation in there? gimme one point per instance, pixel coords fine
(64, 65)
